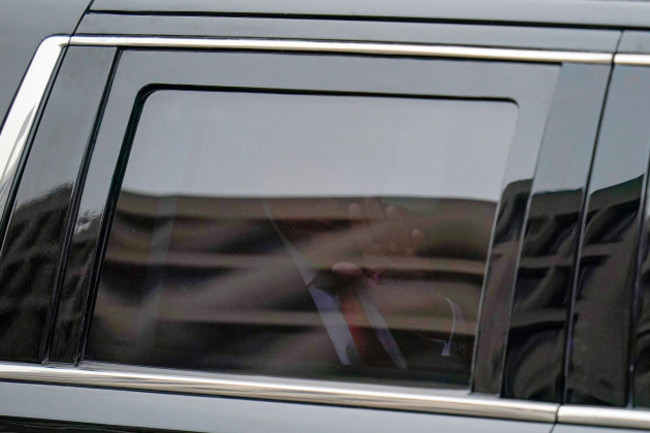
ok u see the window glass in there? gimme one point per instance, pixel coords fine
(305, 235)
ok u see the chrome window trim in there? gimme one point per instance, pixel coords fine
(24, 108)
(257, 387)
(604, 416)
(632, 59)
(385, 49)
(326, 393)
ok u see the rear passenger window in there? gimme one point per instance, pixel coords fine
(310, 235)
(318, 216)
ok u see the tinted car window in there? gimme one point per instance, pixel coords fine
(309, 235)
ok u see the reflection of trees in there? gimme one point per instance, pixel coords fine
(232, 295)
(534, 364)
(642, 336)
(599, 359)
(500, 278)
(30, 256)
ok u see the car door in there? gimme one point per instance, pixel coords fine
(215, 223)
(607, 361)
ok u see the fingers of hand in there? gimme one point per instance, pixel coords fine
(378, 231)
(399, 234)
(377, 220)
(347, 269)
(360, 228)
(417, 239)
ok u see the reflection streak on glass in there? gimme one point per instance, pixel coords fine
(307, 248)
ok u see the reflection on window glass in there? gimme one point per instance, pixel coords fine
(303, 235)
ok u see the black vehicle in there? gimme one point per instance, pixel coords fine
(324, 216)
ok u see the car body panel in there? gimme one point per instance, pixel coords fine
(582, 13)
(212, 414)
(535, 332)
(23, 26)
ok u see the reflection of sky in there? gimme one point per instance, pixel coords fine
(245, 144)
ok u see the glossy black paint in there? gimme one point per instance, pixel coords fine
(23, 25)
(79, 125)
(497, 291)
(599, 361)
(641, 344)
(26, 425)
(636, 42)
(640, 382)
(534, 368)
(494, 320)
(454, 34)
(578, 13)
(36, 232)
